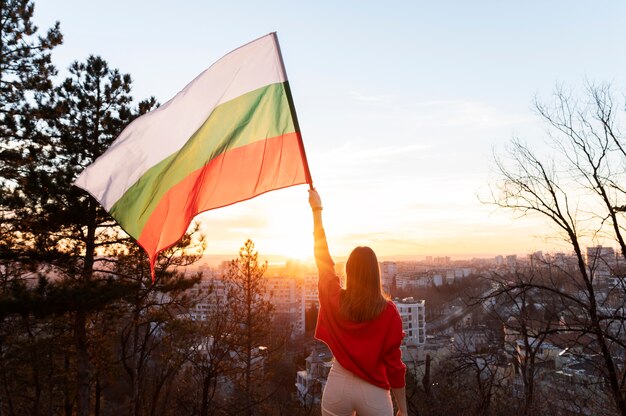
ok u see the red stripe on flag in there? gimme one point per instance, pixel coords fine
(234, 176)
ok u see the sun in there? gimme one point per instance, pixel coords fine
(288, 228)
(291, 236)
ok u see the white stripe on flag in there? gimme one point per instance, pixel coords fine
(156, 135)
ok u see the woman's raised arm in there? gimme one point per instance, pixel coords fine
(325, 264)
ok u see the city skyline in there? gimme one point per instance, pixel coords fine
(401, 107)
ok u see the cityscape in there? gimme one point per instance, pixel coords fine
(165, 168)
(456, 315)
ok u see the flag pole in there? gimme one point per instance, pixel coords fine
(294, 116)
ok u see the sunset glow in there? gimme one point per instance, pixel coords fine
(399, 122)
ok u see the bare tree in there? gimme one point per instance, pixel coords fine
(211, 360)
(526, 324)
(477, 356)
(577, 186)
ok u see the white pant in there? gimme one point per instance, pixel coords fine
(346, 394)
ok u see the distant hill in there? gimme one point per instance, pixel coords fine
(214, 260)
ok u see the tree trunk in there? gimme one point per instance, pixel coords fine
(204, 409)
(82, 364)
(248, 340)
(529, 389)
(134, 379)
(426, 379)
(2, 369)
(80, 327)
(35, 366)
(98, 394)
(67, 402)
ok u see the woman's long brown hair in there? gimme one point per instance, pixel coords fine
(363, 299)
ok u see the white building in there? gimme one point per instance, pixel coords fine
(423, 281)
(536, 259)
(437, 280)
(310, 382)
(388, 270)
(404, 281)
(287, 296)
(413, 314)
(511, 262)
(210, 295)
(310, 291)
(601, 262)
(462, 272)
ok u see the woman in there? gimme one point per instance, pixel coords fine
(363, 330)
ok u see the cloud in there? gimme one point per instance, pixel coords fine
(433, 114)
(463, 113)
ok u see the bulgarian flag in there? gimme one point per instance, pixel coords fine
(228, 136)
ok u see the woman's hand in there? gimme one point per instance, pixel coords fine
(314, 199)
(401, 413)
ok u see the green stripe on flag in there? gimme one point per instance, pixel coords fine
(254, 116)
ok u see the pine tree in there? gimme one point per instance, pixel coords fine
(59, 250)
(27, 345)
(25, 75)
(56, 226)
(253, 317)
(94, 105)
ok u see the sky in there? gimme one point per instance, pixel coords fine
(401, 104)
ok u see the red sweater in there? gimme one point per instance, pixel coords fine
(371, 349)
